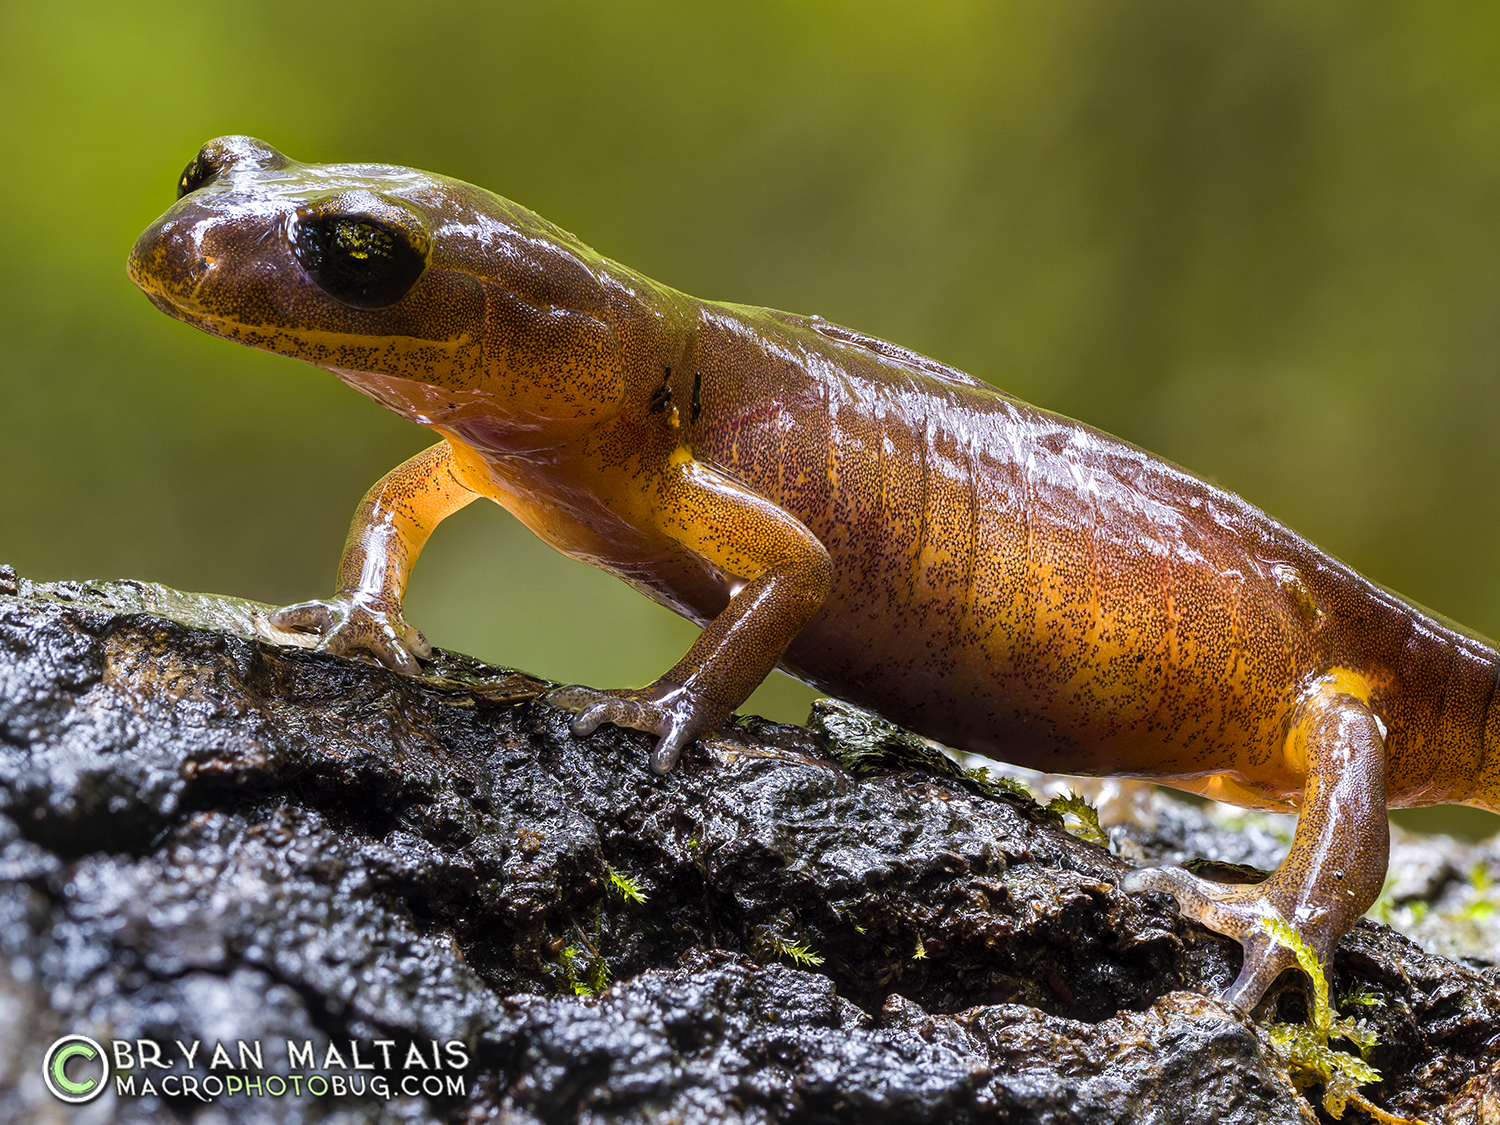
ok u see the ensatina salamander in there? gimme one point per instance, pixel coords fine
(890, 530)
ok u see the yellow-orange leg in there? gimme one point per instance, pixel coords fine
(1337, 861)
(389, 530)
(786, 573)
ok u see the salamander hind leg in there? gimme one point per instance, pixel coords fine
(1337, 861)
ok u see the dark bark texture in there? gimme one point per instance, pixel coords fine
(210, 836)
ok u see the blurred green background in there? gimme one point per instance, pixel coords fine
(1261, 239)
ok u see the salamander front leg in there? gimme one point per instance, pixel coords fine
(786, 573)
(1337, 861)
(670, 711)
(389, 530)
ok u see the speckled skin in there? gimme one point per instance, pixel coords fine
(889, 529)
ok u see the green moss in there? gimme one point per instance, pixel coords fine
(771, 943)
(1278, 827)
(1484, 896)
(1084, 813)
(998, 783)
(626, 887)
(1310, 1061)
(861, 742)
(801, 955)
(1361, 997)
(1463, 923)
(583, 971)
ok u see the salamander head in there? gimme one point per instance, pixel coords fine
(400, 281)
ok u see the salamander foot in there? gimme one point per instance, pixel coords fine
(1239, 912)
(352, 624)
(670, 711)
(1336, 864)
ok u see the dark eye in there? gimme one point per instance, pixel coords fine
(358, 261)
(200, 172)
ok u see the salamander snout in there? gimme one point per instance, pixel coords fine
(360, 248)
(339, 264)
(254, 230)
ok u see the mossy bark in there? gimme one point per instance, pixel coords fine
(210, 835)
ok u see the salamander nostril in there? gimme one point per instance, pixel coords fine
(357, 260)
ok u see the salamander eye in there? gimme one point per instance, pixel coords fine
(200, 172)
(221, 155)
(358, 261)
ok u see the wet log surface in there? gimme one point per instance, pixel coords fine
(208, 835)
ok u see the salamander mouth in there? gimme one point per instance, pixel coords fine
(174, 304)
(290, 317)
(180, 301)
(279, 340)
